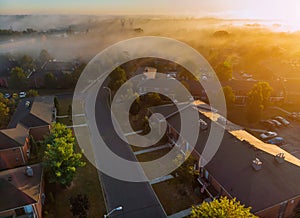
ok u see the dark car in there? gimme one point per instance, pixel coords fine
(268, 124)
(277, 141)
(276, 122)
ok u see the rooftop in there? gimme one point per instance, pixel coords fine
(15, 137)
(232, 164)
(38, 113)
(18, 189)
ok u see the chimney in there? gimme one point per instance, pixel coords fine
(280, 158)
(256, 164)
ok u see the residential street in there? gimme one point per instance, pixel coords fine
(137, 199)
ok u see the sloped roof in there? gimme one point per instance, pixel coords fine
(21, 190)
(58, 66)
(39, 113)
(15, 137)
(231, 166)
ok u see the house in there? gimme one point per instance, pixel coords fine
(36, 114)
(22, 192)
(259, 175)
(33, 117)
(14, 147)
(242, 87)
(57, 68)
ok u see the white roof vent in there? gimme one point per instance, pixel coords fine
(280, 158)
(256, 164)
(29, 171)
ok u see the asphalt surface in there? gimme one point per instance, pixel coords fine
(137, 198)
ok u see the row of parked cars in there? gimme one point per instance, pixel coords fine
(295, 116)
(272, 137)
(275, 122)
(15, 95)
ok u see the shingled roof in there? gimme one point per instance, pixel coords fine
(15, 137)
(231, 166)
(18, 189)
(38, 113)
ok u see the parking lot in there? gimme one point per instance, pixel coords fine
(291, 135)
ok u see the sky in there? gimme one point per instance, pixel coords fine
(254, 9)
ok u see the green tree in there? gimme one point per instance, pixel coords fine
(224, 71)
(4, 110)
(186, 171)
(229, 95)
(27, 63)
(60, 159)
(258, 98)
(117, 78)
(32, 93)
(221, 208)
(50, 81)
(18, 78)
(45, 56)
(151, 99)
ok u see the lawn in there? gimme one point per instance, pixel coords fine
(175, 194)
(64, 104)
(86, 182)
(152, 155)
(176, 197)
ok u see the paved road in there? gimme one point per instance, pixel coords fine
(138, 199)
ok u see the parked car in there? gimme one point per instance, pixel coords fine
(282, 120)
(294, 116)
(268, 124)
(276, 122)
(15, 95)
(268, 135)
(276, 141)
(7, 95)
(22, 94)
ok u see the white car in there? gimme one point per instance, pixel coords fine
(282, 120)
(22, 94)
(268, 135)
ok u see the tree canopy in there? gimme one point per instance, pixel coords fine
(50, 80)
(60, 158)
(18, 78)
(117, 78)
(258, 98)
(32, 93)
(27, 63)
(45, 56)
(224, 71)
(221, 208)
(229, 95)
(4, 110)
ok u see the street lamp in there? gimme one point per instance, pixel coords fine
(113, 210)
(109, 90)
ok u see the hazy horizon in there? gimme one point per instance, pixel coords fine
(248, 9)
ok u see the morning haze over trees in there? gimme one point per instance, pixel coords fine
(246, 53)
